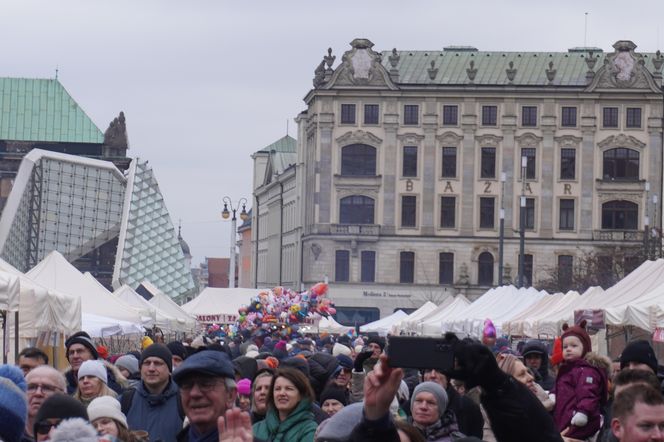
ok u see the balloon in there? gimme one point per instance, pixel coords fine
(319, 289)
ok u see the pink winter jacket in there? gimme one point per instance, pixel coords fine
(581, 386)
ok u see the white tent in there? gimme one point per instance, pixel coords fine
(185, 321)
(100, 326)
(326, 324)
(498, 304)
(432, 324)
(413, 318)
(9, 292)
(383, 326)
(550, 323)
(219, 305)
(524, 324)
(57, 273)
(161, 319)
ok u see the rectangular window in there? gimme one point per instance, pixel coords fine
(368, 270)
(342, 266)
(370, 114)
(633, 117)
(448, 212)
(407, 267)
(411, 114)
(529, 220)
(409, 161)
(347, 114)
(446, 268)
(567, 164)
(568, 116)
(610, 117)
(566, 214)
(450, 115)
(488, 162)
(529, 116)
(487, 206)
(527, 270)
(449, 162)
(530, 153)
(408, 210)
(489, 115)
(565, 263)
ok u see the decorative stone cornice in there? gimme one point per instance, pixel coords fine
(488, 139)
(528, 139)
(620, 140)
(449, 139)
(359, 137)
(568, 141)
(410, 138)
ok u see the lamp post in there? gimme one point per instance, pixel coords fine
(522, 221)
(225, 214)
(501, 249)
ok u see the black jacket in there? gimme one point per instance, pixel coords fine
(542, 376)
(468, 413)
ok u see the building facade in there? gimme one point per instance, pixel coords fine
(409, 160)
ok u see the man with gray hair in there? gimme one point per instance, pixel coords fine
(42, 382)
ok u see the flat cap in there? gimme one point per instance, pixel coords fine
(209, 362)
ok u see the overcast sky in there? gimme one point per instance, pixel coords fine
(204, 84)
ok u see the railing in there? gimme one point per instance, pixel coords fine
(355, 229)
(618, 235)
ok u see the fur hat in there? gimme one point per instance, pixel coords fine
(106, 406)
(158, 351)
(128, 362)
(436, 390)
(639, 351)
(340, 349)
(84, 339)
(74, 430)
(580, 332)
(93, 368)
(13, 403)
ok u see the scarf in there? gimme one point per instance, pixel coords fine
(444, 428)
(211, 436)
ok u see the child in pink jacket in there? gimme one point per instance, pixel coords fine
(581, 385)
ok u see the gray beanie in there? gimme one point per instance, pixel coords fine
(435, 389)
(128, 362)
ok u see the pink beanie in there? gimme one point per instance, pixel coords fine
(244, 387)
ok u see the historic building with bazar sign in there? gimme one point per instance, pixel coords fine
(407, 160)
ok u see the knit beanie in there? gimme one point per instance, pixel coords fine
(437, 391)
(13, 403)
(102, 352)
(377, 340)
(340, 349)
(128, 362)
(506, 363)
(557, 352)
(158, 351)
(146, 341)
(60, 406)
(244, 387)
(489, 330)
(106, 406)
(639, 351)
(333, 392)
(93, 368)
(345, 361)
(580, 332)
(177, 349)
(84, 339)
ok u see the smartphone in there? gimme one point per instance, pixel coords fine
(420, 352)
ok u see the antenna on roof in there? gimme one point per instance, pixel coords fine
(56, 72)
(585, 31)
(286, 126)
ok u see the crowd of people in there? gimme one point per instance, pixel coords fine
(269, 387)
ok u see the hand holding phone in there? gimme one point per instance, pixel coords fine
(421, 353)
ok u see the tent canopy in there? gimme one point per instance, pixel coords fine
(383, 326)
(164, 303)
(100, 326)
(9, 291)
(432, 324)
(219, 305)
(413, 318)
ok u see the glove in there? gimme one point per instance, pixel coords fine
(476, 365)
(552, 397)
(360, 359)
(579, 419)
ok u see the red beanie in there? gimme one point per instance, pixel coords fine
(580, 332)
(557, 354)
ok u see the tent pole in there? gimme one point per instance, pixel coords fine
(4, 337)
(16, 337)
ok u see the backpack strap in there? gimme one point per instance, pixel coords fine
(126, 400)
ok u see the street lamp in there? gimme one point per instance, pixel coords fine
(225, 214)
(522, 221)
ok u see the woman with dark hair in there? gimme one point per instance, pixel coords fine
(289, 417)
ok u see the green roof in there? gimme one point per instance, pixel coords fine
(285, 144)
(42, 110)
(571, 67)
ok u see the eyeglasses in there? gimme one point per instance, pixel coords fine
(44, 427)
(45, 388)
(204, 385)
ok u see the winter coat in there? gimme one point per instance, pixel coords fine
(581, 386)
(158, 414)
(443, 430)
(468, 413)
(322, 367)
(116, 381)
(542, 376)
(299, 426)
(356, 387)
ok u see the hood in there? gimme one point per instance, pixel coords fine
(537, 346)
(598, 361)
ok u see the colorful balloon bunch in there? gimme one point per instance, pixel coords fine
(284, 306)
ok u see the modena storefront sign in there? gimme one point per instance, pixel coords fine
(385, 294)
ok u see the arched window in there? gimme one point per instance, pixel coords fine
(621, 164)
(358, 160)
(356, 209)
(485, 269)
(621, 215)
